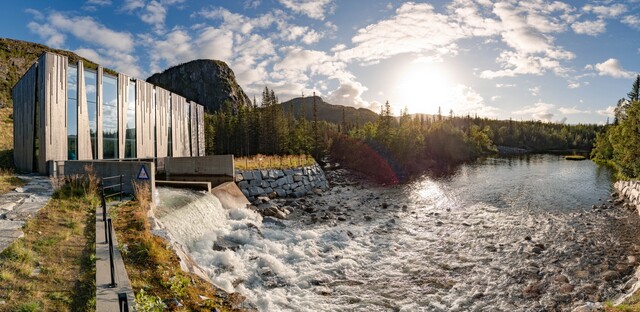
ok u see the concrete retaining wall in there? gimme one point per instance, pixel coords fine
(105, 168)
(296, 182)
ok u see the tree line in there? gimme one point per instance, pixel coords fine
(618, 144)
(402, 146)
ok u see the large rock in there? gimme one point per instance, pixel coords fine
(207, 82)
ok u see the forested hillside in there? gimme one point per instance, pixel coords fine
(409, 144)
(619, 144)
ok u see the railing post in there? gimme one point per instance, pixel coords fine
(123, 303)
(111, 264)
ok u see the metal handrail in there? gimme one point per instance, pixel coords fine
(111, 262)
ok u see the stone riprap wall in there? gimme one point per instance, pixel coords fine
(274, 183)
(629, 190)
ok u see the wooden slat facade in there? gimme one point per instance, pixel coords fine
(44, 86)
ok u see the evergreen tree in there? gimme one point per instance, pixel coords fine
(635, 90)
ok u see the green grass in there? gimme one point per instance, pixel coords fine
(258, 162)
(52, 268)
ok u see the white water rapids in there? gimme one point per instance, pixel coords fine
(444, 251)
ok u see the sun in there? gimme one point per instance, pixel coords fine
(422, 88)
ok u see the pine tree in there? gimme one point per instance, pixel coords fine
(635, 90)
(315, 130)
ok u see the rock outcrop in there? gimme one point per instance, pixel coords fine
(207, 82)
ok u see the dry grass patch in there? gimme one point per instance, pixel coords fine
(52, 267)
(8, 182)
(154, 269)
(273, 162)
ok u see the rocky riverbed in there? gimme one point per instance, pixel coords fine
(439, 255)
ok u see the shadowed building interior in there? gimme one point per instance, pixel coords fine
(66, 111)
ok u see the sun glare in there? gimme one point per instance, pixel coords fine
(423, 88)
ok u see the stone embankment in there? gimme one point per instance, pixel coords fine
(627, 193)
(275, 183)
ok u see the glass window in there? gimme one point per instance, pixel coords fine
(130, 139)
(109, 117)
(90, 83)
(72, 113)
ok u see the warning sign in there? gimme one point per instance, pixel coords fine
(143, 174)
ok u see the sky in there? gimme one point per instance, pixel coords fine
(554, 61)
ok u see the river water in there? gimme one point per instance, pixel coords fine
(499, 234)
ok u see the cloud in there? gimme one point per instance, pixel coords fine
(57, 26)
(538, 111)
(315, 9)
(535, 90)
(99, 2)
(154, 14)
(505, 85)
(415, 28)
(90, 31)
(612, 68)
(465, 100)
(591, 28)
(609, 111)
(51, 36)
(573, 85)
(606, 11)
(120, 61)
(131, 5)
(349, 94)
(527, 30)
(495, 98)
(572, 110)
(632, 21)
(251, 4)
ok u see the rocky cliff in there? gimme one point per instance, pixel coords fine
(207, 82)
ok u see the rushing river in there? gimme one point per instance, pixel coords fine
(500, 234)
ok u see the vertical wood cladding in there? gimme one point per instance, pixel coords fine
(44, 89)
(194, 128)
(162, 121)
(24, 99)
(201, 144)
(52, 99)
(144, 125)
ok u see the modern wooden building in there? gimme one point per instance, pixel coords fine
(68, 111)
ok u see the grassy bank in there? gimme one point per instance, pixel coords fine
(52, 267)
(258, 162)
(154, 269)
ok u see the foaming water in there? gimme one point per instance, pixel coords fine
(493, 236)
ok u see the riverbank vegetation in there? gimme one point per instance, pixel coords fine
(154, 268)
(260, 161)
(52, 268)
(618, 144)
(406, 145)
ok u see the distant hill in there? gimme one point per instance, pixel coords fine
(17, 56)
(327, 111)
(207, 82)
